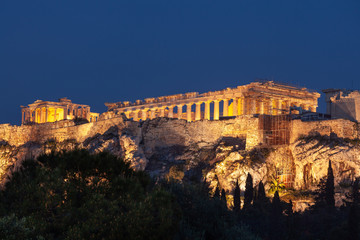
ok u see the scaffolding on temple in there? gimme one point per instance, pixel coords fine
(276, 131)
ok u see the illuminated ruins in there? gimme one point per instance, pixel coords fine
(46, 111)
(343, 104)
(267, 98)
(269, 130)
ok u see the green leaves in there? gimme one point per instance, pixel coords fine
(77, 195)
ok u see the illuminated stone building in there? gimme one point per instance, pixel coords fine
(267, 98)
(341, 103)
(46, 111)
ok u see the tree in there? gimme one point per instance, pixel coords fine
(354, 196)
(326, 191)
(261, 196)
(329, 188)
(78, 195)
(275, 218)
(217, 192)
(276, 204)
(276, 185)
(353, 217)
(237, 197)
(223, 197)
(249, 192)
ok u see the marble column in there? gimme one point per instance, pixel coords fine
(244, 105)
(252, 109)
(42, 116)
(286, 107)
(198, 111)
(171, 112)
(279, 106)
(306, 107)
(46, 114)
(261, 106)
(162, 112)
(55, 119)
(179, 110)
(207, 110)
(235, 107)
(216, 109)
(35, 115)
(240, 106)
(271, 107)
(152, 113)
(188, 112)
(144, 114)
(136, 115)
(226, 107)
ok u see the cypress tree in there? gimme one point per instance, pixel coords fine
(261, 196)
(326, 191)
(329, 188)
(249, 191)
(237, 197)
(354, 196)
(276, 205)
(223, 196)
(275, 218)
(217, 192)
(353, 222)
(353, 218)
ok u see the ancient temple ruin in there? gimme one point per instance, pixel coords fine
(268, 98)
(341, 103)
(46, 111)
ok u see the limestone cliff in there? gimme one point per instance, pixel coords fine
(219, 151)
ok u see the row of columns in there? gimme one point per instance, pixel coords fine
(231, 107)
(42, 114)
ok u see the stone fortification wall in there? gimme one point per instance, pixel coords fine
(341, 127)
(60, 131)
(168, 131)
(165, 132)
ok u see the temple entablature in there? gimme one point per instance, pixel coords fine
(47, 111)
(255, 98)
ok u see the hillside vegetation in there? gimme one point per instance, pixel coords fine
(78, 195)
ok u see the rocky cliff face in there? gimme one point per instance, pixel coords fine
(221, 152)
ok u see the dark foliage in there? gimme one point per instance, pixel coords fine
(76, 195)
(353, 218)
(217, 192)
(223, 197)
(330, 189)
(237, 201)
(325, 193)
(249, 192)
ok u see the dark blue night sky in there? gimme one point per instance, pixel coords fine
(106, 51)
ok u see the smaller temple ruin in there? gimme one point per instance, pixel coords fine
(46, 111)
(341, 103)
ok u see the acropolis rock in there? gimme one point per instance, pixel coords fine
(256, 128)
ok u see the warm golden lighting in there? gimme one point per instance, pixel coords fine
(51, 115)
(231, 109)
(59, 114)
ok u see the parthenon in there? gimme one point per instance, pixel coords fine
(266, 97)
(46, 111)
